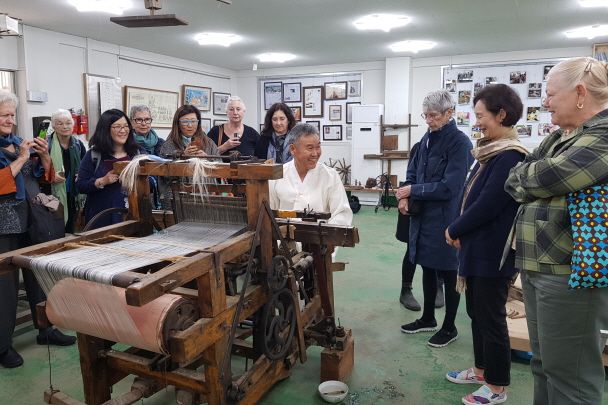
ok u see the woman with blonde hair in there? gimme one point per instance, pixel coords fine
(564, 324)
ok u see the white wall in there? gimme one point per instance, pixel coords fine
(9, 52)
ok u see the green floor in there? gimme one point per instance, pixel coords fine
(390, 367)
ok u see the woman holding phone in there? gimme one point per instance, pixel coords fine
(234, 135)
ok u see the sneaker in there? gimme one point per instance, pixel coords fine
(11, 359)
(54, 337)
(443, 338)
(484, 396)
(467, 376)
(419, 326)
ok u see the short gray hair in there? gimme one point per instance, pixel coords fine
(61, 114)
(299, 131)
(6, 97)
(234, 99)
(439, 100)
(139, 108)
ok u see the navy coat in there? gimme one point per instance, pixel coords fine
(486, 220)
(437, 178)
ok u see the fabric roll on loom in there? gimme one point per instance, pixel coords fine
(101, 310)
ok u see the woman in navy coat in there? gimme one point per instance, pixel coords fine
(435, 180)
(481, 233)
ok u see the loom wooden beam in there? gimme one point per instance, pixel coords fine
(315, 233)
(126, 228)
(262, 376)
(252, 171)
(94, 369)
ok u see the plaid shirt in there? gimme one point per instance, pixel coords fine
(563, 163)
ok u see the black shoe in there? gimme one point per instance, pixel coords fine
(407, 299)
(55, 337)
(11, 359)
(419, 326)
(439, 298)
(443, 338)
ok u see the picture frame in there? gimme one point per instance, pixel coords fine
(354, 88)
(162, 103)
(336, 90)
(332, 132)
(349, 132)
(261, 127)
(349, 111)
(316, 124)
(273, 93)
(600, 52)
(312, 97)
(217, 123)
(206, 124)
(297, 112)
(335, 112)
(292, 92)
(219, 103)
(199, 97)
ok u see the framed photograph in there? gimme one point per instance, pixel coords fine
(532, 114)
(534, 90)
(349, 112)
(476, 133)
(206, 124)
(546, 129)
(162, 104)
(523, 131)
(349, 132)
(463, 118)
(450, 85)
(466, 76)
(199, 97)
(332, 132)
(335, 112)
(217, 123)
(517, 77)
(292, 92)
(354, 88)
(476, 88)
(464, 97)
(546, 70)
(297, 112)
(491, 80)
(316, 124)
(273, 93)
(313, 101)
(600, 52)
(335, 90)
(261, 128)
(219, 103)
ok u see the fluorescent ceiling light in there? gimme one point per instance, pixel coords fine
(588, 32)
(107, 6)
(593, 3)
(217, 38)
(412, 46)
(381, 22)
(275, 57)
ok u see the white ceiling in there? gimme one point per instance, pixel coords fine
(321, 31)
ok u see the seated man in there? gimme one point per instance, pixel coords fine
(307, 184)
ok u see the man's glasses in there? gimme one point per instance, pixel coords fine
(142, 120)
(430, 116)
(188, 123)
(119, 128)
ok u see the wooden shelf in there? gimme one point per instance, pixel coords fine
(387, 156)
(397, 126)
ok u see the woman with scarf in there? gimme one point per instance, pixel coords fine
(66, 153)
(480, 233)
(272, 144)
(22, 163)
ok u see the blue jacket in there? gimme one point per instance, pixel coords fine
(437, 177)
(487, 218)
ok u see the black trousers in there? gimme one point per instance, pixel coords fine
(407, 268)
(9, 285)
(486, 299)
(452, 298)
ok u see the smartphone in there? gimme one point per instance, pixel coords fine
(235, 136)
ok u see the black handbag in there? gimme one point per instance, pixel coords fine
(44, 225)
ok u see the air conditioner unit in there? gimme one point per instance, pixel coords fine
(8, 25)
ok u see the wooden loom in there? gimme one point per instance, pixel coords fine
(199, 362)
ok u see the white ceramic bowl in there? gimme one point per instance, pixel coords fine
(333, 391)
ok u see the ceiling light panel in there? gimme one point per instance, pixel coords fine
(217, 38)
(413, 46)
(381, 22)
(588, 32)
(276, 57)
(105, 6)
(593, 3)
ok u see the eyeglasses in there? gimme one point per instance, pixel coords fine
(188, 123)
(431, 116)
(142, 120)
(119, 128)
(64, 124)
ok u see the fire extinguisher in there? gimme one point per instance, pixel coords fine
(83, 121)
(76, 119)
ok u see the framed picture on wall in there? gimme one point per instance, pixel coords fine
(292, 92)
(332, 132)
(600, 52)
(162, 104)
(313, 101)
(316, 124)
(349, 132)
(335, 112)
(336, 90)
(273, 93)
(217, 123)
(206, 124)
(261, 128)
(219, 103)
(297, 112)
(354, 88)
(199, 97)
(349, 112)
